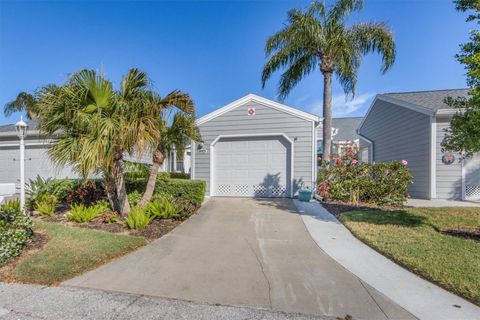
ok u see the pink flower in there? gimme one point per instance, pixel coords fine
(404, 162)
(354, 161)
(338, 161)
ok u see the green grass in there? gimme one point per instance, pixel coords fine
(72, 251)
(412, 238)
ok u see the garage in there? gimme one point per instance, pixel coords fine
(256, 147)
(252, 166)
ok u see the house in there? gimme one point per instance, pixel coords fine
(344, 136)
(410, 126)
(255, 147)
(37, 161)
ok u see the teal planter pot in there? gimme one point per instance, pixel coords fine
(304, 195)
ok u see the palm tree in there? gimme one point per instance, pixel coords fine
(177, 127)
(24, 102)
(99, 125)
(319, 37)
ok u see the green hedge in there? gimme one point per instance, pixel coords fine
(191, 190)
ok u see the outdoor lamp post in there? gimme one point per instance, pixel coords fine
(21, 127)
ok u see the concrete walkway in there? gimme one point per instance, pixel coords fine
(39, 303)
(244, 252)
(421, 298)
(438, 203)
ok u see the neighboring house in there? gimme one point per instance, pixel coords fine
(344, 136)
(255, 147)
(37, 161)
(410, 126)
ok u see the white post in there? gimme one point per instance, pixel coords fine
(22, 173)
(174, 160)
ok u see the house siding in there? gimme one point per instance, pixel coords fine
(37, 161)
(448, 177)
(399, 133)
(265, 120)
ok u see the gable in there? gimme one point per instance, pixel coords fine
(254, 101)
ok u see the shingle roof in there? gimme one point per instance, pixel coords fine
(32, 125)
(347, 128)
(433, 100)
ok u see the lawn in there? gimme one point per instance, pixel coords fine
(71, 251)
(414, 238)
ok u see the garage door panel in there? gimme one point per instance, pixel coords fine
(256, 167)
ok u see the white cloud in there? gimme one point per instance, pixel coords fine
(342, 106)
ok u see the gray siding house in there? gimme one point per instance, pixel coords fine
(255, 147)
(37, 161)
(344, 136)
(411, 126)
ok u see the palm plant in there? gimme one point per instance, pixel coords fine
(319, 37)
(98, 125)
(177, 127)
(24, 102)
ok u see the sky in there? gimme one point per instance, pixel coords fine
(214, 50)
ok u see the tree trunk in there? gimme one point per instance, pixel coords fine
(327, 115)
(111, 192)
(124, 206)
(157, 161)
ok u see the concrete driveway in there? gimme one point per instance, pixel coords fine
(244, 252)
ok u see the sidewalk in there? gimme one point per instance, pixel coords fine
(32, 302)
(420, 297)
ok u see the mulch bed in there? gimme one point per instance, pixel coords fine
(39, 239)
(155, 230)
(461, 233)
(337, 208)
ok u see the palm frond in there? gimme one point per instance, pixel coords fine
(24, 102)
(374, 37)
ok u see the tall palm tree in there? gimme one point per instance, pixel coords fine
(99, 125)
(319, 37)
(24, 102)
(177, 127)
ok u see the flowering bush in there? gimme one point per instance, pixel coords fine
(352, 181)
(15, 231)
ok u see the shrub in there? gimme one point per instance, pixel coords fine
(139, 218)
(163, 208)
(87, 193)
(46, 204)
(134, 198)
(15, 231)
(81, 213)
(192, 190)
(380, 184)
(179, 175)
(39, 186)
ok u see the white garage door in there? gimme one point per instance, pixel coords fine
(251, 167)
(472, 178)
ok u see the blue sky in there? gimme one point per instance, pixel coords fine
(214, 50)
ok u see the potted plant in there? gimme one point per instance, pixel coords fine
(304, 193)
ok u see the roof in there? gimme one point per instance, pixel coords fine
(10, 128)
(432, 100)
(347, 128)
(260, 100)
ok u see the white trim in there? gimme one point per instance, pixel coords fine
(464, 181)
(314, 156)
(193, 150)
(449, 112)
(212, 157)
(397, 102)
(370, 142)
(26, 145)
(433, 157)
(263, 101)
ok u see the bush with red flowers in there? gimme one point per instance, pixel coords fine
(351, 181)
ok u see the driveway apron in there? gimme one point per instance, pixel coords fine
(244, 252)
